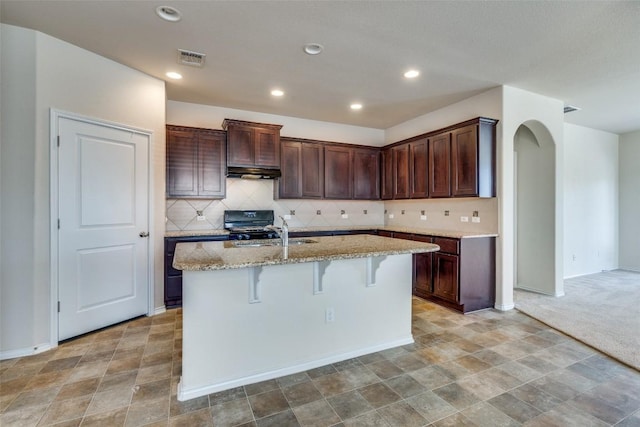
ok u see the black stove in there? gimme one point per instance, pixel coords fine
(247, 225)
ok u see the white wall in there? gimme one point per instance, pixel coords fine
(207, 116)
(629, 202)
(544, 117)
(535, 211)
(61, 76)
(591, 200)
(17, 174)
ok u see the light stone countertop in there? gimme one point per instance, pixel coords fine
(428, 232)
(204, 256)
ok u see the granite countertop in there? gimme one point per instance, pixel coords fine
(414, 230)
(203, 256)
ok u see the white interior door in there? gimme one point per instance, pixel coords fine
(103, 253)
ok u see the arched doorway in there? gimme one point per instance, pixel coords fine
(537, 245)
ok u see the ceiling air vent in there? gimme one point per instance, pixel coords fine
(194, 59)
(570, 108)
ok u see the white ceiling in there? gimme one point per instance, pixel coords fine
(584, 53)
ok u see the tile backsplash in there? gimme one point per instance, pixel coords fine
(412, 213)
(182, 214)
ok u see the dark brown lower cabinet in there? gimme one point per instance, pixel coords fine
(445, 276)
(173, 277)
(460, 276)
(422, 268)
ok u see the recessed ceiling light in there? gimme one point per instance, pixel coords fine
(412, 74)
(313, 48)
(356, 106)
(277, 92)
(169, 13)
(174, 75)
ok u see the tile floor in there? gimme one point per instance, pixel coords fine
(483, 369)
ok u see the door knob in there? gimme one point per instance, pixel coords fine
(144, 234)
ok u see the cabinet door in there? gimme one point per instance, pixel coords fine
(422, 270)
(422, 278)
(211, 171)
(440, 165)
(290, 183)
(338, 173)
(401, 172)
(182, 163)
(267, 147)
(464, 162)
(386, 185)
(312, 170)
(418, 166)
(445, 280)
(366, 174)
(240, 146)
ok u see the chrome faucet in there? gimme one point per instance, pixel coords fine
(283, 232)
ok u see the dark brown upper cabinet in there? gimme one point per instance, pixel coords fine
(419, 169)
(366, 174)
(251, 144)
(338, 172)
(460, 162)
(302, 170)
(325, 170)
(440, 165)
(386, 181)
(401, 186)
(195, 163)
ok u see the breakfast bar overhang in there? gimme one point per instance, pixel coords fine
(253, 313)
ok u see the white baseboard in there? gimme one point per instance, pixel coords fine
(186, 394)
(504, 307)
(29, 351)
(160, 310)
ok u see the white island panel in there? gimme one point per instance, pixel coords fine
(228, 341)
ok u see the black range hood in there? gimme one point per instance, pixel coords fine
(252, 173)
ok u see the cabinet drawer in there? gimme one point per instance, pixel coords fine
(405, 236)
(421, 238)
(450, 246)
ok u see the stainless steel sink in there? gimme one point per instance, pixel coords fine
(274, 242)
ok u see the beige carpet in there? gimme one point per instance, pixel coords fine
(601, 310)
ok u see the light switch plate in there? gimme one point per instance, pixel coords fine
(201, 218)
(464, 219)
(475, 219)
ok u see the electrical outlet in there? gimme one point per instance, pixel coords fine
(286, 216)
(464, 219)
(391, 216)
(329, 315)
(201, 218)
(446, 213)
(318, 212)
(423, 217)
(344, 216)
(475, 219)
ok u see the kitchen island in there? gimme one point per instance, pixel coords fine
(252, 313)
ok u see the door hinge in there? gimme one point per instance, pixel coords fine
(58, 223)
(58, 140)
(58, 306)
